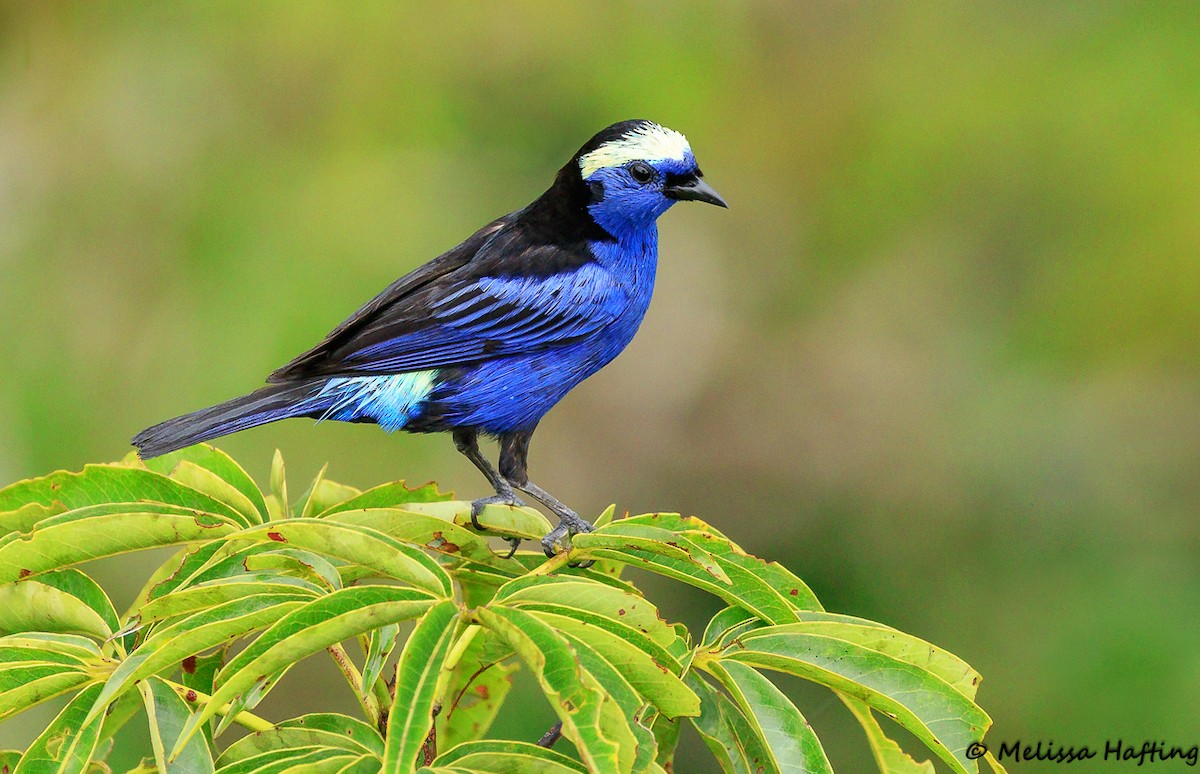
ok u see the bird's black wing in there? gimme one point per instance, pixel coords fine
(502, 291)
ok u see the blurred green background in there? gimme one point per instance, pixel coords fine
(939, 358)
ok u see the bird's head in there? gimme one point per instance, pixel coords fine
(634, 171)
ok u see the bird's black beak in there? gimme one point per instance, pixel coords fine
(693, 188)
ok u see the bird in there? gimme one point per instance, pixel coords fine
(486, 338)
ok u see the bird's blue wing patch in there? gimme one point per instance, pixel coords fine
(497, 316)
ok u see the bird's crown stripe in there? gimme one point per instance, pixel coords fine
(649, 142)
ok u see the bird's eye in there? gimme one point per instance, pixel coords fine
(641, 172)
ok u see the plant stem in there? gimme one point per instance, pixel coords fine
(554, 563)
(368, 702)
(246, 720)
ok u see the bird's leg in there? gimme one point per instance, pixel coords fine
(514, 453)
(467, 442)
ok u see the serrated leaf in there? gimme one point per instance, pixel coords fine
(322, 729)
(417, 675)
(930, 708)
(65, 747)
(219, 463)
(359, 545)
(62, 541)
(504, 757)
(786, 737)
(167, 714)
(310, 628)
(889, 756)
(591, 718)
(36, 606)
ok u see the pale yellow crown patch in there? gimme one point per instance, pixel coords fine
(649, 142)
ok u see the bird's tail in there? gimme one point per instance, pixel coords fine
(273, 402)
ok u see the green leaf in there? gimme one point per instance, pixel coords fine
(278, 481)
(393, 495)
(624, 694)
(199, 673)
(652, 674)
(24, 518)
(219, 463)
(212, 593)
(66, 746)
(934, 711)
(617, 538)
(476, 689)
(417, 676)
(34, 605)
(729, 620)
(25, 684)
(299, 760)
(110, 529)
(591, 718)
(428, 531)
(310, 628)
(167, 714)
(503, 757)
(46, 646)
(380, 643)
(666, 738)
(359, 545)
(890, 758)
(204, 480)
(322, 729)
(726, 731)
(170, 645)
(785, 735)
(324, 494)
(108, 484)
(615, 603)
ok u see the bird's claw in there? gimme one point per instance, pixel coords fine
(568, 526)
(477, 506)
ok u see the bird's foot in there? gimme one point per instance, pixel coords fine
(509, 498)
(569, 525)
(500, 498)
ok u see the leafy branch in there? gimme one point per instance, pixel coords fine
(340, 566)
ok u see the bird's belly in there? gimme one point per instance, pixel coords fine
(514, 393)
